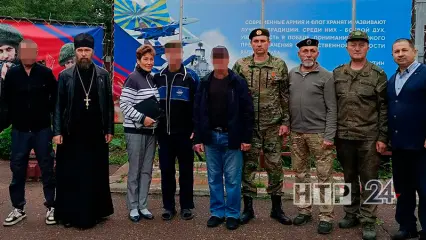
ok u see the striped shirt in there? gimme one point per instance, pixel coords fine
(137, 87)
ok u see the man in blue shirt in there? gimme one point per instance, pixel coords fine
(407, 132)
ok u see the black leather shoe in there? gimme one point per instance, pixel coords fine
(168, 215)
(186, 214)
(232, 223)
(402, 235)
(215, 221)
(277, 212)
(248, 212)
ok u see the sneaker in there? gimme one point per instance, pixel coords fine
(50, 216)
(14, 217)
(145, 213)
(134, 215)
(186, 214)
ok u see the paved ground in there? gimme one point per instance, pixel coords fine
(119, 227)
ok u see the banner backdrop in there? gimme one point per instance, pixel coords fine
(208, 23)
(51, 37)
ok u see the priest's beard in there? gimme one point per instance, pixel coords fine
(84, 63)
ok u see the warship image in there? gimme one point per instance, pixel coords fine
(198, 61)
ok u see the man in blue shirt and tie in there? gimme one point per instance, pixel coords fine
(407, 132)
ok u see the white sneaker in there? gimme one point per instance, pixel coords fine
(50, 216)
(14, 217)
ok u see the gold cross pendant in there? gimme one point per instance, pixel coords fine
(87, 102)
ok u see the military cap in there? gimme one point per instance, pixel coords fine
(84, 40)
(307, 42)
(259, 32)
(67, 52)
(357, 35)
(10, 36)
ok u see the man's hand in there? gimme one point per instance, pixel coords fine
(380, 147)
(148, 122)
(192, 136)
(245, 147)
(57, 139)
(108, 138)
(425, 144)
(326, 144)
(284, 131)
(199, 148)
(4, 69)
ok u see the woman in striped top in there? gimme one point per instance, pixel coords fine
(139, 130)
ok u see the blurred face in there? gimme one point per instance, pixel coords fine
(146, 62)
(69, 63)
(28, 53)
(260, 44)
(7, 53)
(174, 55)
(308, 55)
(84, 57)
(403, 54)
(220, 63)
(357, 50)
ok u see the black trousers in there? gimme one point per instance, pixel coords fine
(409, 177)
(22, 143)
(171, 147)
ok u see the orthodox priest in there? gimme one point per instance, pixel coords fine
(83, 127)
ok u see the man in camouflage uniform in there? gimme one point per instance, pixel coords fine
(9, 42)
(67, 55)
(313, 127)
(267, 78)
(361, 128)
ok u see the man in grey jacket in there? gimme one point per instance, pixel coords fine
(313, 115)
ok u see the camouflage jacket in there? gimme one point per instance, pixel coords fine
(268, 84)
(361, 103)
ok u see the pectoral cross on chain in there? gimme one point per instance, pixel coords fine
(87, 99)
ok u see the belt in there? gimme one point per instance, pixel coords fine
(220, 129)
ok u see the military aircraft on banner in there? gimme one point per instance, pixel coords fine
(155, 32)
(159, 49)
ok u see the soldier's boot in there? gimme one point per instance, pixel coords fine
(369, 231)
(302, 219)
(248, 212)
(349, 221)
(277, 212)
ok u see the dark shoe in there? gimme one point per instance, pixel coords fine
(401, 235)
(248, 212)
(214, 221)
(277, 212)
(168, 215)
(369, 231)
(325, 227)
(232, 223)
(135, 218)
(186, 214)
(349, 221)
(67, 225)
(302, 219)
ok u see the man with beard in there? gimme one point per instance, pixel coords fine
(267, 78)
(83, 127)
(9, 41)
(313, 126)
(30, 92)
(361, 129)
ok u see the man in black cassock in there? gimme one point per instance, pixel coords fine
(83, 127)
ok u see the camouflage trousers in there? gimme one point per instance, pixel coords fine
(271, 143)
(302, 146)
(360, 161)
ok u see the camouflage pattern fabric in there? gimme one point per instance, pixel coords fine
(303, 145)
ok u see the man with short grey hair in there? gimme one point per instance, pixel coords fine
(313, 115)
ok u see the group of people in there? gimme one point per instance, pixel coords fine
(238, 116)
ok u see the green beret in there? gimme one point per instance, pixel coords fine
(308, 42)
(10, 36)
(67, 52)
(358, 35)
(259, 32)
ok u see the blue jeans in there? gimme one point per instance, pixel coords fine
(222, 161)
